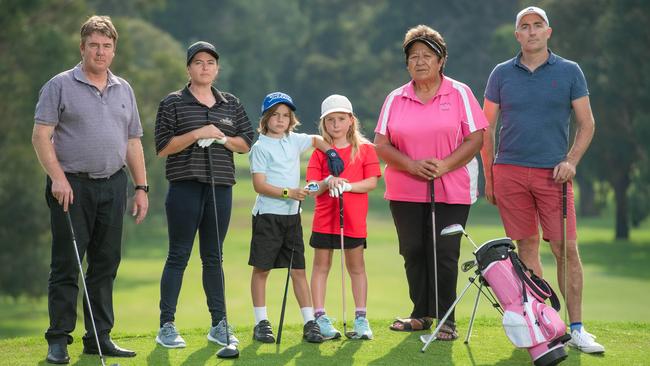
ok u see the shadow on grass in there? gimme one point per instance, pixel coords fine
(158, 356)
(408, 351)
(202, 355)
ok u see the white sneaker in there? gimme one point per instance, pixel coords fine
(584, 341)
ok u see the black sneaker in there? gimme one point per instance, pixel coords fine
(263, 332)
(311, 332)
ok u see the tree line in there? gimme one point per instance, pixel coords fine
(310, 49)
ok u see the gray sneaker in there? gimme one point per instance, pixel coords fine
(217, 334)
(168, 336)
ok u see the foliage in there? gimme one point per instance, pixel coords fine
(604, 40)
(35, 43)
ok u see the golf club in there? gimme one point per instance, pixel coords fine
(456, 229)
(435, 248)
(345, 331)
(230, 350)
(83, 281)
(565, 264)
(311, 187)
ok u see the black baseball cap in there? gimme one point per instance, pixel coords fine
(201, 46)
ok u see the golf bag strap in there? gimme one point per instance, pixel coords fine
(536, 284)
(518, 266)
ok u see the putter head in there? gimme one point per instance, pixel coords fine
(229, 351)
(454, 229)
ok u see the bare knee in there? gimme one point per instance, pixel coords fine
(260, 274)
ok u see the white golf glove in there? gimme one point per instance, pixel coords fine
(208, 142)
(339, 189)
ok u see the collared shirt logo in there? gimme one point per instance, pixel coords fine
(445, 106)
(226, 121)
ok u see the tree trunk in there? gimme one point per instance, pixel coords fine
(622, 221)
(587, 202)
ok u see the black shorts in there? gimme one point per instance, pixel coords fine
(333, 241)
(274, 237)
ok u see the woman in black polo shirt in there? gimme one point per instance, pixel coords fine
(191, 123)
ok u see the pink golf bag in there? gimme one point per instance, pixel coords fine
(527, 320)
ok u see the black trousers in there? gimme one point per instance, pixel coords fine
(413, 224)
(97, 215)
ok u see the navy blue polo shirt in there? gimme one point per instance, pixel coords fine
(535, 109)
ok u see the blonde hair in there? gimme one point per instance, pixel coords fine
(353, 136)
(264, 120)
(101, 24)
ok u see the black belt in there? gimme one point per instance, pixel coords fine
(87, 175)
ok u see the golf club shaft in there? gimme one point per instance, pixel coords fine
(286, 289)
(342, 261)
(219, 246)
(435, 248)
(83, 282)
(564, 248)
(435, 332)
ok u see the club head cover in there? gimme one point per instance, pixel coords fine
(334, 162)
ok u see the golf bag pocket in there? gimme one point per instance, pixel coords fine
(550, 323)
(517, 329)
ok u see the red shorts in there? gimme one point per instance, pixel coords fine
(527, 197)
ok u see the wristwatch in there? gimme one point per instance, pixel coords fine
(144, 188)
(285, 193)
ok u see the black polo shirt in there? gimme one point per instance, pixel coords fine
(179, 113)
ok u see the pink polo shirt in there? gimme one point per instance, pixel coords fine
(435, 129)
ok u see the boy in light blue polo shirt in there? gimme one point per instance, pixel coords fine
(277, 231)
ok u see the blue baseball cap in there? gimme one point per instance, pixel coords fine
(277, 97)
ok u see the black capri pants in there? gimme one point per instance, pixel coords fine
(413, 224)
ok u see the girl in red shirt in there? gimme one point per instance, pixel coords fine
(339, 127)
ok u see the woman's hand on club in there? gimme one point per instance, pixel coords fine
(424, 168)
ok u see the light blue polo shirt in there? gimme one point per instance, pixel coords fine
(535, 109)
(279, 160)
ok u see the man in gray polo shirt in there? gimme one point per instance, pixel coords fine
(535, 93)
(87, 128)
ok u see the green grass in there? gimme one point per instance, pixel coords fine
(617, 289)
(626, 345)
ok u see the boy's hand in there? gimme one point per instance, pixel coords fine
(297, 194)
(334, 162)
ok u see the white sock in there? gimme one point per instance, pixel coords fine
(260, 314)
(307, 314)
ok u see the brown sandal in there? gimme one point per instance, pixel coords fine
(411, 324)
(447, 333)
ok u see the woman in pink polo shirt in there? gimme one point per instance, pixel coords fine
(429, 129)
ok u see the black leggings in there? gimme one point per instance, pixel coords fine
(413, 224)
(189, 209)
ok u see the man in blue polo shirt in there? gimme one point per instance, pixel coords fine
(87, 128)
(534, 93)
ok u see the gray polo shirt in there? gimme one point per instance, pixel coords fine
(535, 109)
(92, 128)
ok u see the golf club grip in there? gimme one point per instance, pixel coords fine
(564, 199)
